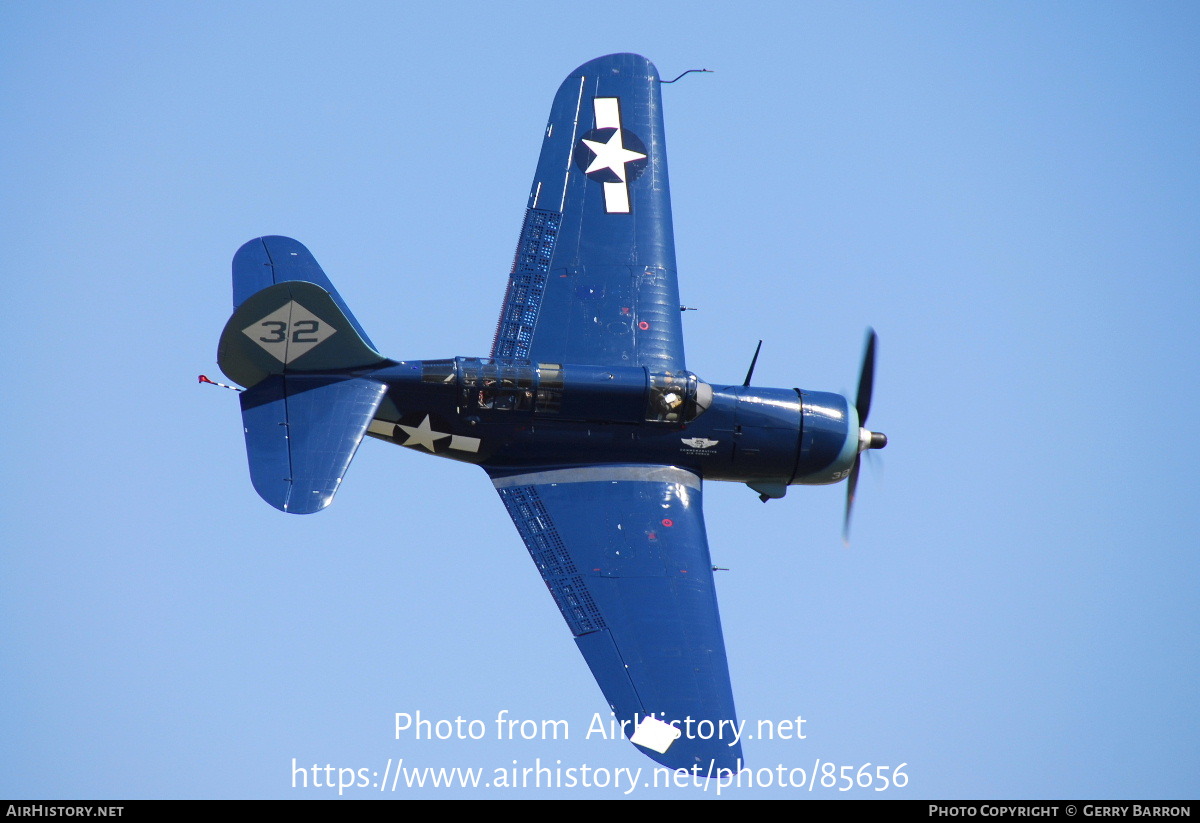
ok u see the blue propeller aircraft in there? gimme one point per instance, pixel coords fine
(584, 416)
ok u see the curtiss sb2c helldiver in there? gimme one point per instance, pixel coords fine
(585, 417)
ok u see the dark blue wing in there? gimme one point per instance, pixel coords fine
(624, 553)
(594, 277)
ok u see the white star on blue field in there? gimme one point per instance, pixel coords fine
(611, 155)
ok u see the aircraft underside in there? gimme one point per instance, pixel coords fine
(592, 430)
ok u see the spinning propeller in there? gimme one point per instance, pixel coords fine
(866, 439)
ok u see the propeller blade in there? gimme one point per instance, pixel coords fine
(866, 379)
(866, 384)
(851, 485)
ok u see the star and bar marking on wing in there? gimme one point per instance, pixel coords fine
(611, 155)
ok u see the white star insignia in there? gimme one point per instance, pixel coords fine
(422, 435)
(611, 155)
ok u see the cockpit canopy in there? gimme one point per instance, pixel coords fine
(677, 397)
(620, 394)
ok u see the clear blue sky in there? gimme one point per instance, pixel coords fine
(1007, 192)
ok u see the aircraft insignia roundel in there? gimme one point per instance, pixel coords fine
(428, 431)
(611, 155)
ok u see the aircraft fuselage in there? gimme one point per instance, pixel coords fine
(520, 416)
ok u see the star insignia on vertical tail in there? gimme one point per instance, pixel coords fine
(611, 155)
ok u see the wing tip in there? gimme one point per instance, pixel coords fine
(619, 62)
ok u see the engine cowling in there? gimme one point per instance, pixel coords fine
(829, 438)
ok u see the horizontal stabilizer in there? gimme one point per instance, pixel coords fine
(265, 261)
(301, 434)
(289, 327)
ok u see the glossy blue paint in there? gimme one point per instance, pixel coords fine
(605, 290)
(829, 441)
(301, 434)
(624, 553)
(268, 260)
(595, 436)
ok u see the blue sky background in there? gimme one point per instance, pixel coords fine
(1007, 192)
